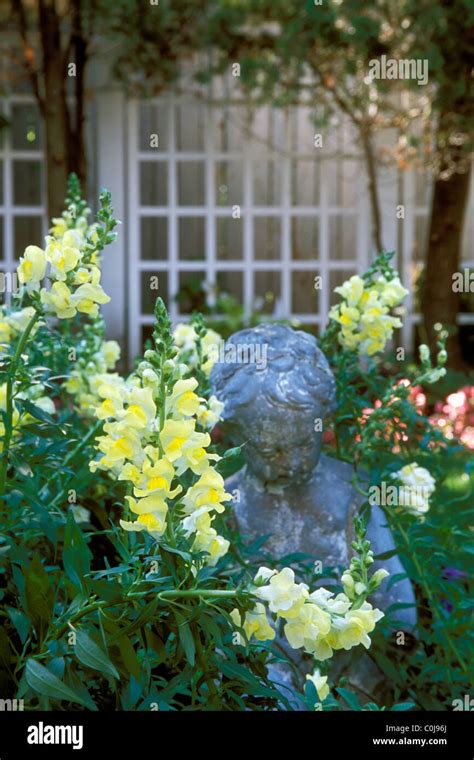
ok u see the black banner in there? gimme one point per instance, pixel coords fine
(61, 735)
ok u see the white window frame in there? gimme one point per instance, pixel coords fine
(8, 209)
(285, 211)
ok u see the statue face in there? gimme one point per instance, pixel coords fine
(281, 444)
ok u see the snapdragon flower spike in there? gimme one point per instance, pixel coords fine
(70, 259)
(197, 350)
(363, 316)
(152, 442)
(318, 622)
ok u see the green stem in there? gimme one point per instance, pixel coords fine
(201, 662)
(189, 593)
(429, 594)
(201, 592)
(8, 422)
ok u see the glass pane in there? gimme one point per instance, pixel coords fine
(26, 127)
(229, 238)
(27, 230)
(1, 237)
(229, 129)
(154, 126)
(27, 183)
(191, 183)
(305, 182)
(267, 238)
(190, 126)
(231, 283)
(304, 295)
(266, 183)
(229, 183)
(267, 129)
(192, 238)
(344, 183)
(153, 183)
(192, 294)
(335, 280)
(154, 238)
(305, 238)
(153, 284)
(267, 286)
(303, 130)
(342, 237)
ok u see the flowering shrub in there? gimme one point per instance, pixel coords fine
(380, 426)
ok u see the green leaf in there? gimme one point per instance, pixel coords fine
(187, 641)
(386, 555)
(39, 595)
(129, 657)
(35, 411)
(403, 706)
(90, 654)
(349, 697)
(42, 681)
(76, 555)
(21, 623)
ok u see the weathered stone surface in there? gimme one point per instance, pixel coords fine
(302, 499)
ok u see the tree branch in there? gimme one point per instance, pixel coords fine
(19, 10)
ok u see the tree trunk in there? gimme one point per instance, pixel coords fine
(55, 112)
(77, 142)
(370, 163)
(440, 304)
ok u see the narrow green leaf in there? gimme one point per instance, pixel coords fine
(76, 554)
(90, 654)
(187, 642)
(349, 697)
(35, 411)
(39, 595)
(42, 681)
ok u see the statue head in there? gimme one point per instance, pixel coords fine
(277, 388)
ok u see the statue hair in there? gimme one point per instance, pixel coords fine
(295, 376)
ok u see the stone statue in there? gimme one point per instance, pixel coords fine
(289, 490)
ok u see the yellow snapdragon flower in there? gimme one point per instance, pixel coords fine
(320, 684)
(353, 629)
(62, 257)
(140, 410)
(59, 300)
(310, 625)
(208, 540)
(365, 323)
(186, 448)
(208, 492)
(151, 511)
(32, 268)
(87, 298)
(284, 596)
(183, 402)
(156, 478)
(254, 623)
(185, 338)
(209, 414)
